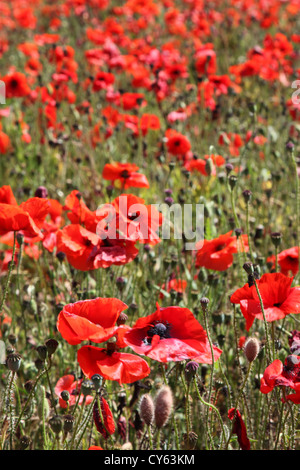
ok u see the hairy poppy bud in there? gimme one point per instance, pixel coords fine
(251, 349)
(191, 370)
(147, 409)
(163, 406)
(41, 192)
(247, 194)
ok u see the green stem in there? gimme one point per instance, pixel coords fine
(9, 272)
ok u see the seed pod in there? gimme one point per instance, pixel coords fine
(69, 423)
(13, 361)
(163, 406)
(147, 409)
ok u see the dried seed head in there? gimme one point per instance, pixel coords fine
(251, 349)
(147, 409)
(56, 424)
(51, 345)
(13, 361)
(163, 406)
(69, 423)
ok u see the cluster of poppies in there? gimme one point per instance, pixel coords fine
(169, 334)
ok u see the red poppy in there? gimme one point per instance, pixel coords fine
(277, 374)
(171, 334)
(134, 220)
(16, 85)
(279, 298)
(239, 428)
(93, 320)
(14, 219)
(217, 254)
(126, 173)
(104, 421)
(7, 195)
(69, 384)
(288, 260)
(177, 144)
(177, 285)
(121, 367)
(201, 164)
(5, 143)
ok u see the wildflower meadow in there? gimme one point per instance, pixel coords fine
(149, 227)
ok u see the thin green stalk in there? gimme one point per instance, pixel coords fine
(269, 358)
(237, 402)
(9, 272)
(214, 408)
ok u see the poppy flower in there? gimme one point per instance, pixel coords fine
(126, 173)
(14, 218)
(177, 144)
(93, 320)
(118, 366)
(177, 285)
(134, 220)
(277, 374)
(104, 421)
(279, 298)
(16, 85)
(288, 260)
(5, 143)
(217, 254)
(239, 428)
(171, 334)
(200, 164)
(69, 384)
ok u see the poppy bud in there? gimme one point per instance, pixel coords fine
(248, 267)
(209, 166)
(122, 319)
(251, 349)
(247, 194)
(121, 283)
(163, 406)
(290, 146)
(191, 370)
(122, 425)
(147, 409)
(41, 192)
(228, 168)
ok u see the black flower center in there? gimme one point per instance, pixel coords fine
(125, 174)
(159, 328)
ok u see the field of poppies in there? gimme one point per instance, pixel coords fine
(149, 225)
